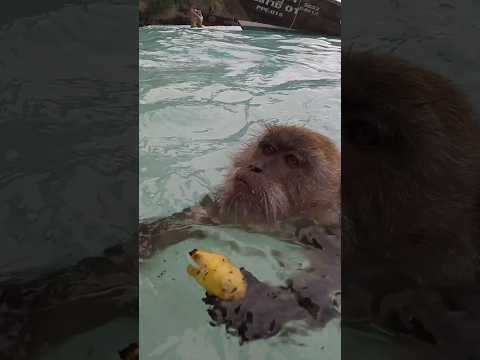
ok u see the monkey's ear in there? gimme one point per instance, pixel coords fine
(267, 126)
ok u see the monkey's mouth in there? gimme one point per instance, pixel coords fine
(247, 186)
(251, 200)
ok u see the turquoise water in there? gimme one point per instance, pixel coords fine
(202, 94)
(174, 323)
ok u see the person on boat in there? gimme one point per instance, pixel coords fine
(196, 17)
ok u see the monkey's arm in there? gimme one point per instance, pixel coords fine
(312, 295)
(39, 311)
(157, 234)
(266, 309)
(261, 314)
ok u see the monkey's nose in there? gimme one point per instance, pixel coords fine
(255, 169)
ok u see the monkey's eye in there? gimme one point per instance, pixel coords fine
(364, 132)
(267, 149)
(292, 161)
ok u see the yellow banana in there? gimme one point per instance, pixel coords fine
(217, 275)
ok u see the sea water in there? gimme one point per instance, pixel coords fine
(203, 93)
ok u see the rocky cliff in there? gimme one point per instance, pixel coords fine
(177, 12)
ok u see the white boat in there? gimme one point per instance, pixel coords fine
(252, 25)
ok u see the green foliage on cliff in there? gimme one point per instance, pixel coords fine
(216, 6)
(165, 4)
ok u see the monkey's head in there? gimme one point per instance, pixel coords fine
(409, 140)
(285, 172)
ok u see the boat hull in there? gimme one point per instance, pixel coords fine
(312, 16)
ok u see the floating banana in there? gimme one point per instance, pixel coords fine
(217, 275)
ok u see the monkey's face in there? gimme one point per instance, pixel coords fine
(398, 117)
(407, 137)
(279, 175)
(386, 118)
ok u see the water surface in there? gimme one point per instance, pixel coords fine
(204, 92)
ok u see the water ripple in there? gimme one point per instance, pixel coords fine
(204, 92)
